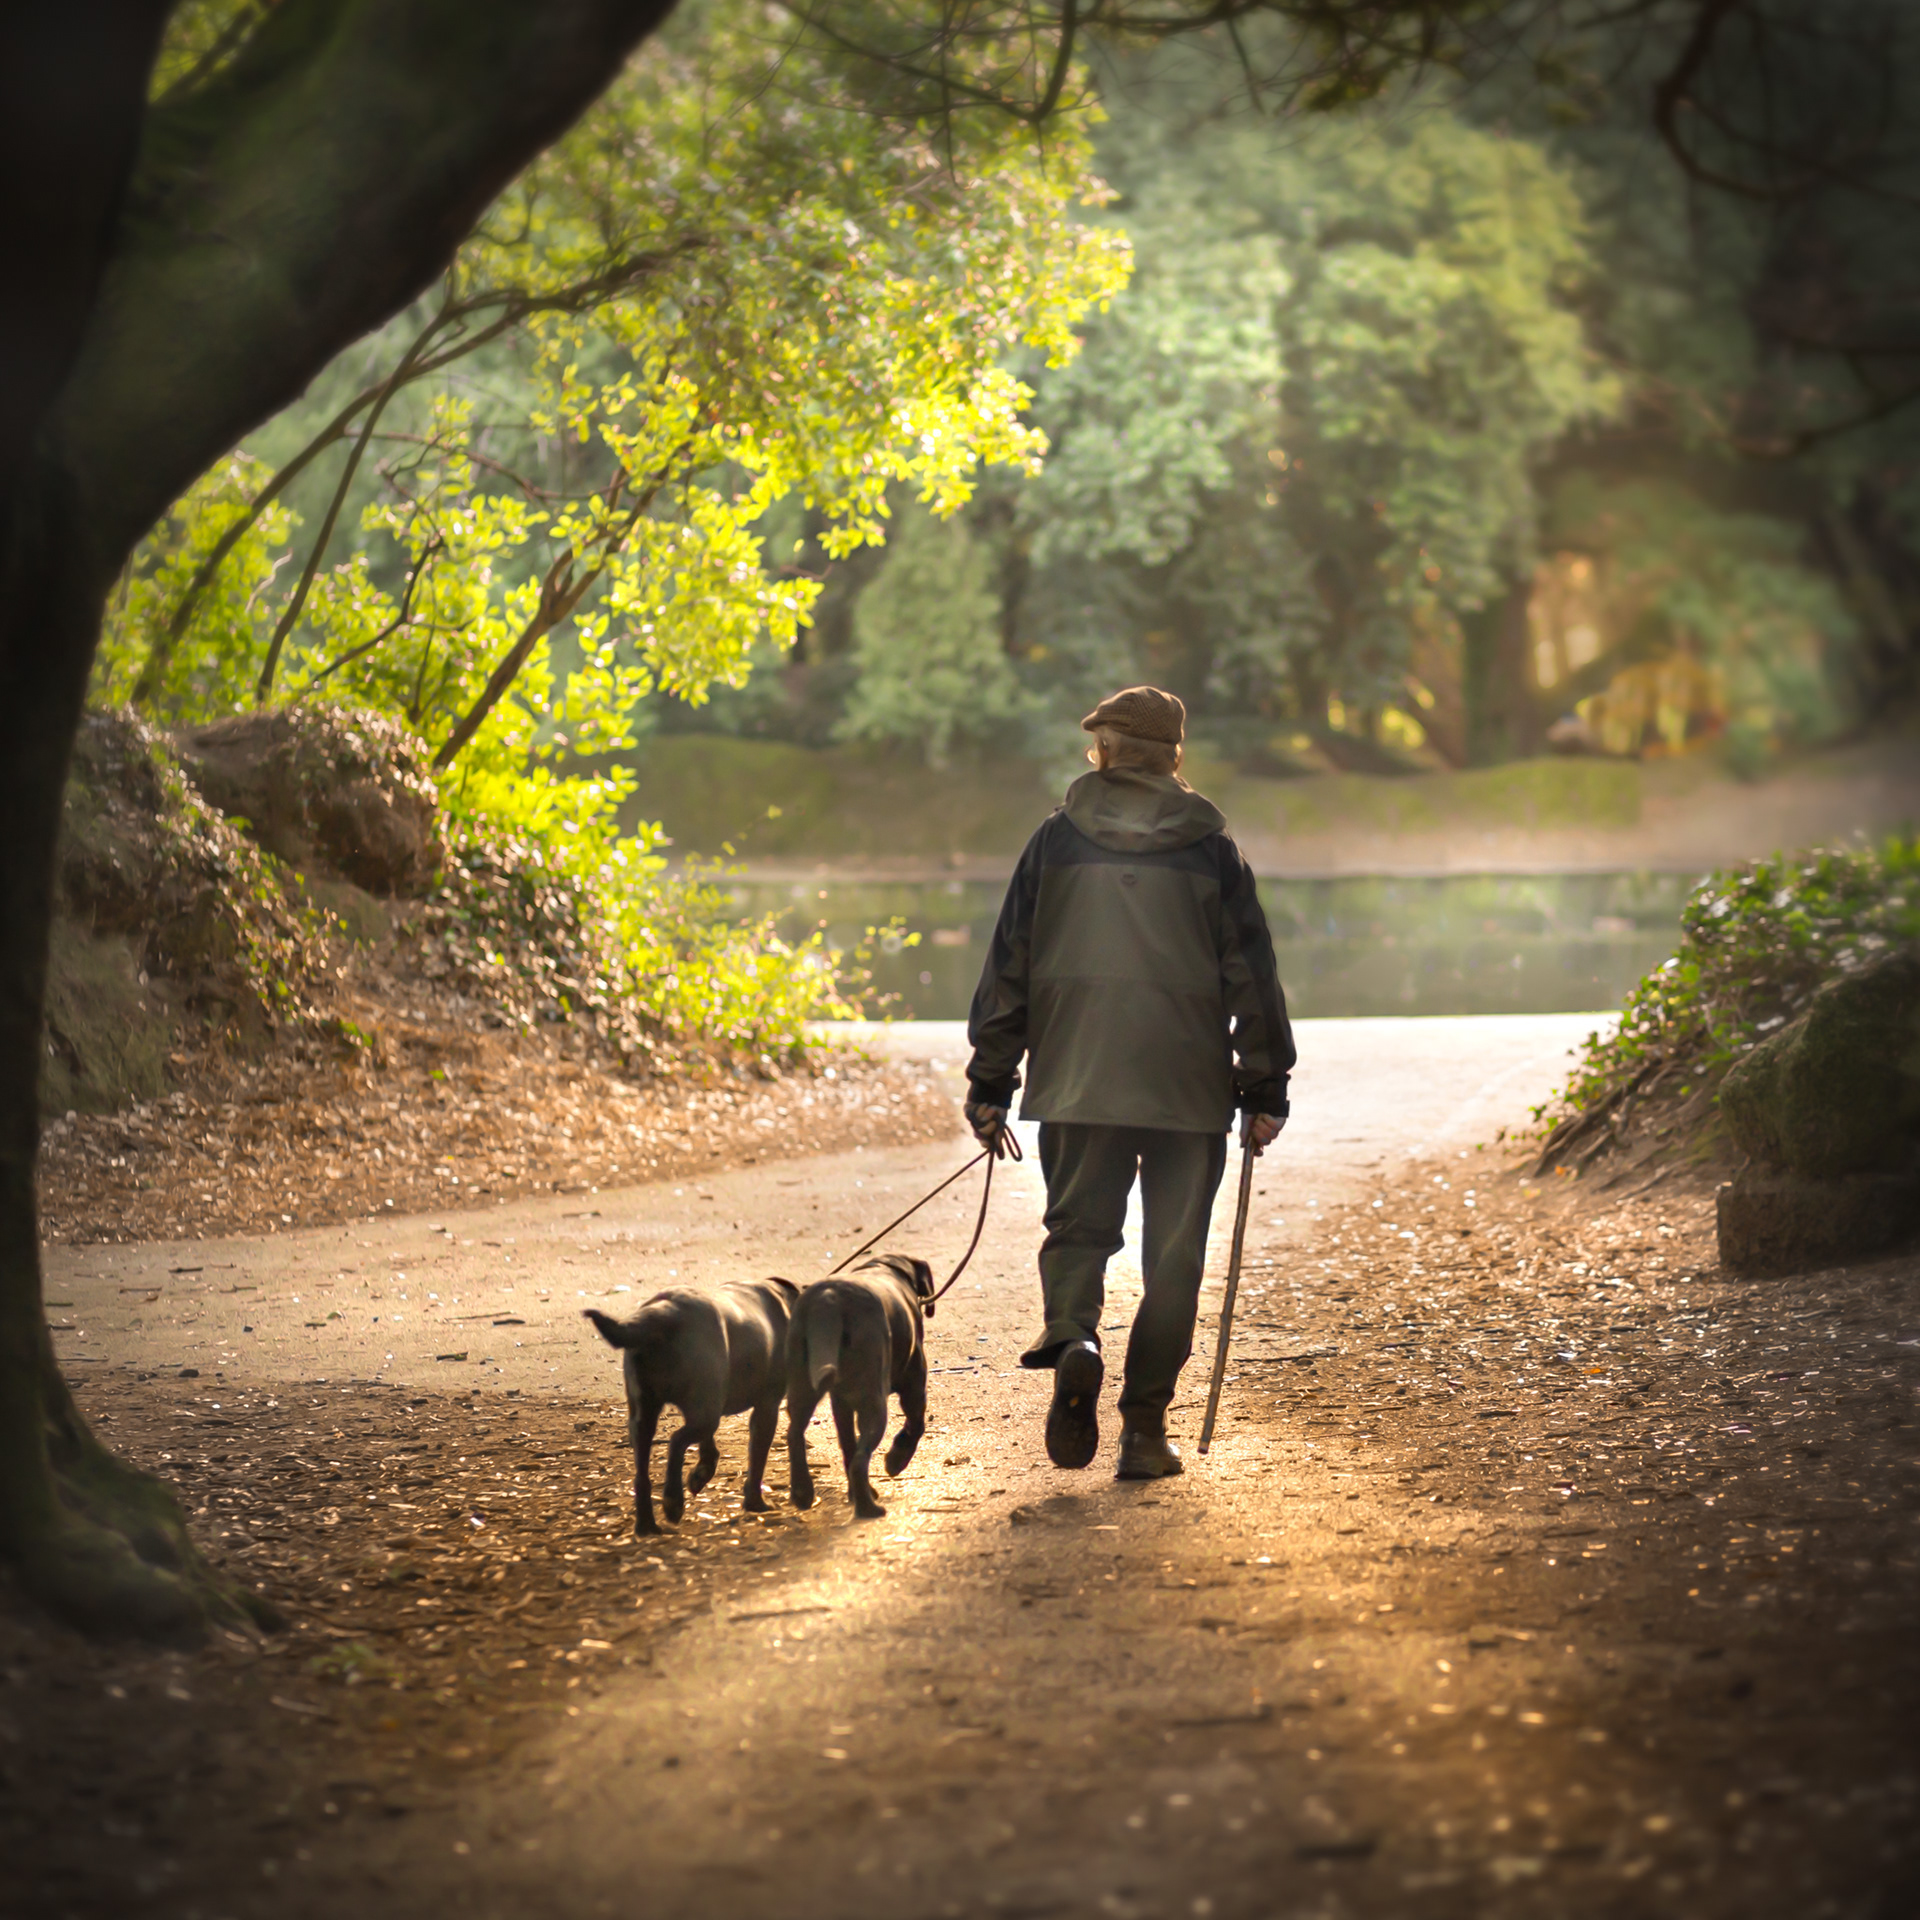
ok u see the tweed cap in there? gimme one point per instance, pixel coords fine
(1144, 712)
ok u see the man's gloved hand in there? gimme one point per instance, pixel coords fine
(1260, 1130)
(988, 1124)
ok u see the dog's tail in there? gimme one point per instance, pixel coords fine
(616, 1333)
(823, 1343)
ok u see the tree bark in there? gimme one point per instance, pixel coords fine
(100, 1543)
(1438, 665)
(1501, 719)
(72, 82)
(289, 205)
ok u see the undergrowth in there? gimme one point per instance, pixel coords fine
(1756, 944)
(598, 934)
(544, 916)
(142, 854)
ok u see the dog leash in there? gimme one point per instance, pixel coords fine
(1007, 1147)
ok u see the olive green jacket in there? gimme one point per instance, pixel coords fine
(1132, 967)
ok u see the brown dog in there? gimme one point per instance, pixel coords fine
(859, 1341)
(709, 1354)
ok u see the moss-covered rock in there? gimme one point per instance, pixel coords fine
(1828, 1112)
(1837, 1090)
(1774, 1222)
(165, 918)
(109, 1029)
(344, 794)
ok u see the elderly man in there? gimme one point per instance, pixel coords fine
(1133, 969)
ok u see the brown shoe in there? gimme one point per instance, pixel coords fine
(1146, 1454)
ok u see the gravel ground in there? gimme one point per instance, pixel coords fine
(1539, 1569)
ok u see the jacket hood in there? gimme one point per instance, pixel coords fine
(1129, 812)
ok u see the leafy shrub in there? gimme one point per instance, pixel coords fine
(594, 932)
(1756, 943)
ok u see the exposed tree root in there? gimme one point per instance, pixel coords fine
(1580, 1138)
(111, 1554)
(1638, 1124)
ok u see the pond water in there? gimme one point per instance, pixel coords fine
(1459, 943)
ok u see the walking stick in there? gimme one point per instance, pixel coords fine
(1233, 1283)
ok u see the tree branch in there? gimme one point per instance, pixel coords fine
(166, 643)
(561, 591)
(294, 202)
(217, 52)
(414, 576)
(512, 305)
(1791, 445)
(297, 599)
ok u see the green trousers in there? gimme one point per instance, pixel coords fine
(1090, 1173)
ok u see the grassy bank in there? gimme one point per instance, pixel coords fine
(773, 804)
(771, 801)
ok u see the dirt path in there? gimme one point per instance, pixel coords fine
(1539, 1569)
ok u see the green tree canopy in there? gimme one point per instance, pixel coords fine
(1306, 441)
(931, 662)
(1330, 465)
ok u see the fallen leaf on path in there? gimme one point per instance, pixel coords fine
(1355, 1847)
(300, 1707)
(1245, 1717)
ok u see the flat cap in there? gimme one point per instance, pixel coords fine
(1144, 712)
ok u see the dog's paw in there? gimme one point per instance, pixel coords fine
(897, 1462)
(801, 1494)
(869, 1510)
(753, 1501)
(673, 1507)
(645, 1526)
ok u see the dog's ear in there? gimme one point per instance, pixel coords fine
(792, 1286)
(916, 1273)
(904, 1268)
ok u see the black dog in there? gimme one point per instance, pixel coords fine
(859, 1340)
(709, 1354)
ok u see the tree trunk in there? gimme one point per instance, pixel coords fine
(1502, 721)
(1437, 665)
(95, 1541)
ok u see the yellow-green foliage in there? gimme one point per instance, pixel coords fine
(593, 931)
(212, 665)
